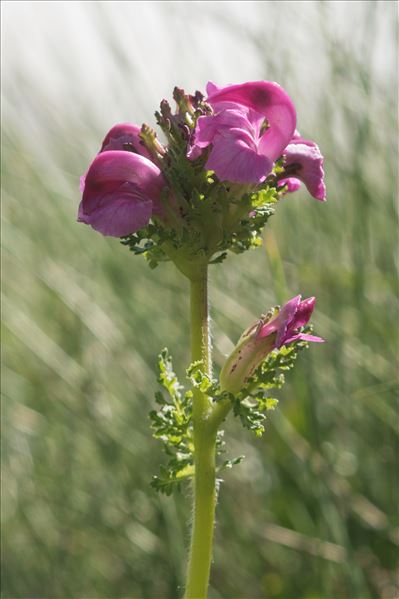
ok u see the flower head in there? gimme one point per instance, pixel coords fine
(122, 187)
(251, 125)
(279, 328)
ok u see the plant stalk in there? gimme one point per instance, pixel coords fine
(204, 450)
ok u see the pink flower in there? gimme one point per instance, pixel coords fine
(251, 126)
(122, 188)
(262, 337)
(304, 162)
(123, 136)
(294, 315)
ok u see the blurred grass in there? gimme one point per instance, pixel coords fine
(312, 511)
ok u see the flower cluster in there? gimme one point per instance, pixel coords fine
(231, 154)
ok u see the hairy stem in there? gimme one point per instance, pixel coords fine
(218, 413)
(199, 315)
(204, 450)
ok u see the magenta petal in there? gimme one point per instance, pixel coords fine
(292, 316)
(291, 183)
(282, 321)
(82, 181)
(268, 99)
(313, 338)
(234, 158)
(297, 138)
(195, 151)
(120, 167)
(290, 339)
(211, 88)
(120, 212)
(302, 337)
(285, 318)
(121, 192)
(124, 134)
(303, 313)
(310, 166)
(209, 126)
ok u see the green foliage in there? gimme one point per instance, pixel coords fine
(255, 210)
(205, 384)
(230, 463)
(213, 218)
(201, 380)
(173, 426)
(253, 402)
(149, 242)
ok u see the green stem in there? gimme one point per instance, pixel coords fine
(200, 336)
(218, 413)
(204, 516)
(204, 450)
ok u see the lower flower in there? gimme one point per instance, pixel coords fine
(278, 328)
(121, 193)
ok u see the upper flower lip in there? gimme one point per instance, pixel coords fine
(243, 151)
(121, 192)
(116, 166)
(294, 315)
(124, 136)
(252, 125)
(267, 99)
(121, 189)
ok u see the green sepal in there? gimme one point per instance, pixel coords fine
(253, 401)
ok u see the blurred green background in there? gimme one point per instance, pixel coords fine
(312, 511)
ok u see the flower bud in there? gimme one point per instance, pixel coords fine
(279, 327)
